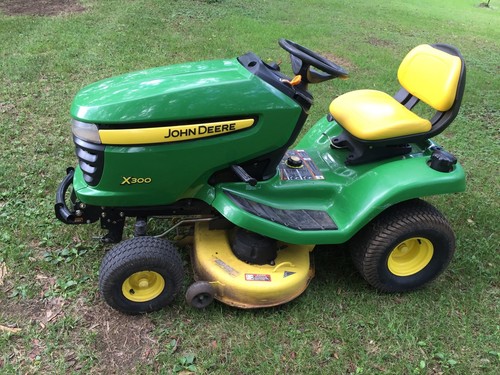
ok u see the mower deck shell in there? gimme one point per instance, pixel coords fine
(244, 285)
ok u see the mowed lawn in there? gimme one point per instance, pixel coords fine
(52, 319)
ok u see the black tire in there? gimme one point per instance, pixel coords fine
(404, 248)
(200, 294)
(141, 275)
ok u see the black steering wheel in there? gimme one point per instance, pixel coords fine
(303, 59)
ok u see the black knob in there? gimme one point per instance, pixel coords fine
(294, 162)
(442, 161)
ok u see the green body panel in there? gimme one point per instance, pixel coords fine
(352, 195)
(178, 170)
(207, 89)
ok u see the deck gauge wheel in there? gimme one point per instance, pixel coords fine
(200, 294)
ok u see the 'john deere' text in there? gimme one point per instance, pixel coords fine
(201, 130)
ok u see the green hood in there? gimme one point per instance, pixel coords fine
(178, 92)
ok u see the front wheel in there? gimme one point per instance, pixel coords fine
(404, 248)
(141, 275)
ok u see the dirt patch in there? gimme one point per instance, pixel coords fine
(113, 342)
(344, 63)
(40, 7)
(122, 341)
(379, 42)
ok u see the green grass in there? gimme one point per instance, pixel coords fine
(340, 325)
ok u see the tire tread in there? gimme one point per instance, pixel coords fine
(368, 244)
(139, 250)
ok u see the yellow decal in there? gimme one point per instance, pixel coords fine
(172, 133)
(135, 180)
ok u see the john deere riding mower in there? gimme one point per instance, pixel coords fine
(207, 143)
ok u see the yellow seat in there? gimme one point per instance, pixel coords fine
(374, 115)
(427, 73)
(376, 125)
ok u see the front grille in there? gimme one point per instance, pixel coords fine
(91, 160)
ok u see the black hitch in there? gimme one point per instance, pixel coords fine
(79, 213)
(113, 221)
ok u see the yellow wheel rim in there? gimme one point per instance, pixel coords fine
(143, 286)
(410, 256)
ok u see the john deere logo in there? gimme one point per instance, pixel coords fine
(205, 130)
(173, 133)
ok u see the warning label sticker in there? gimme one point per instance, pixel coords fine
(231, 271)
(304, 170)
(257, 277)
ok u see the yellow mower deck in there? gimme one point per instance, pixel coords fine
(244, 285)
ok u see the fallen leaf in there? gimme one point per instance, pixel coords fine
(317, 347)
(3, 272)
(380, 368)
(34, 355)
(146, 352)
(9, 329)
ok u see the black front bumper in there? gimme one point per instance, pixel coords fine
(79, 213)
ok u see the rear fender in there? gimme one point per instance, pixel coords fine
(392, 183)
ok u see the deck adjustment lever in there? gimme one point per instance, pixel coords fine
(243, 175)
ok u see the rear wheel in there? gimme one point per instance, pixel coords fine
(141, 275)
(404, 248)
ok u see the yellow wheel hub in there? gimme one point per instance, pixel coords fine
(143, 286)
(410, 256)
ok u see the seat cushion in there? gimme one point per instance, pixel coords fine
(373, 115)
(431, 75)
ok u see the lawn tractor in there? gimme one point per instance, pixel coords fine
(207, 145)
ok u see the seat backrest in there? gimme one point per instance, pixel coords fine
(432, 75)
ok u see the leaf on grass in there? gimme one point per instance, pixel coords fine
(173, 346)
(9, 329)
(317, 347)
(54, 309)
(439, 356)
(146, 352)
(494, 353)
(3, 272)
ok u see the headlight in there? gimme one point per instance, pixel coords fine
(87, 132)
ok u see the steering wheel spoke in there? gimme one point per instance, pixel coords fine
(315, 76)
(303, 60)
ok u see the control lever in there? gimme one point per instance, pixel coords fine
(243, 175)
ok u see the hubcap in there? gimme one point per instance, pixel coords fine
(143, 286)
(410, 256)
